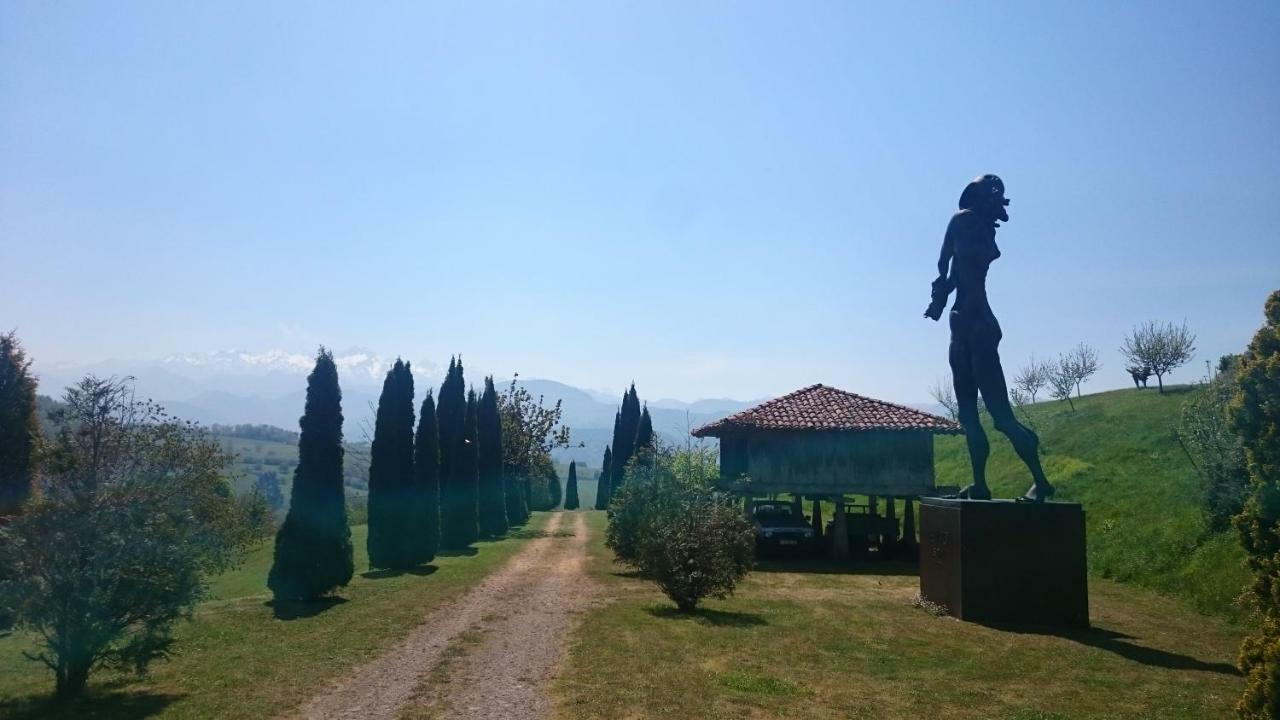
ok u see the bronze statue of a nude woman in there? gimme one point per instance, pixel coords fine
(967, 253)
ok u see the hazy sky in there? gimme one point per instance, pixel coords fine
(721, 199)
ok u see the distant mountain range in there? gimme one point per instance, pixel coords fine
(270, 388)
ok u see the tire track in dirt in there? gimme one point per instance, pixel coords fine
(487, 654)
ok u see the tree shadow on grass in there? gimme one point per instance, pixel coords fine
(1117, 642)
(292, 610)
(707, 616)
(421, 571)
(457, 552)
(105, 705)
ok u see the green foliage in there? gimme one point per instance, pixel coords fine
(555, 495)
(670, 525)
(19, 430)
(493, 489)
(571, 488)
(1215, 450)
(426, 484)
(313, 554)
(625, 427)
(1256, 414)
(392, 526)
(267, 484)
(134, 513)
(602, 483)
(530, 431)
(458, 472)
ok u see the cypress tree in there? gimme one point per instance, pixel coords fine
(19, 430)
(645, 444)
(426, 485)
(602, 484)
(571, 488)
(391, 480)
(624, 437)
(313, 547)
(554, 493)
(469, 503)
(457, 479)
(493, 492)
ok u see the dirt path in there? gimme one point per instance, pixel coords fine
(487, 654)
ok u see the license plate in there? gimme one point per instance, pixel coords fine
(786, 542)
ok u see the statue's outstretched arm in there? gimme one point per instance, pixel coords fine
(945, 282)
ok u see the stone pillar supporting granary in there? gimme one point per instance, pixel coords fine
(824, 443)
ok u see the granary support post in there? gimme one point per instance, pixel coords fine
(840, 533)
(817, 518)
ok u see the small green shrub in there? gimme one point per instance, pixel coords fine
(676, 530)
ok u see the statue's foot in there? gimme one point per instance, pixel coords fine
(1039, 492)
(976, 492)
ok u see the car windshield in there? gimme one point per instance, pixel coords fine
(774, 513)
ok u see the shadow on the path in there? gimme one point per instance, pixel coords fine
(707, 616)
(1118, 643)
(289, 610)
(106, 705)
(421, 570)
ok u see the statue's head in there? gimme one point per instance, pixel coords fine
(985, 195)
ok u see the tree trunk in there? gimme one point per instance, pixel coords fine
(1160, 382)
(72, 677)
(1073, 405)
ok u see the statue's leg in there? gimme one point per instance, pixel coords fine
(966, 388)
(995, 394)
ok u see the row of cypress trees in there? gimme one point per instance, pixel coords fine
(440, 486)
(632, 431)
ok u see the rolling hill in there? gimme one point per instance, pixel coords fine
(1118, 456)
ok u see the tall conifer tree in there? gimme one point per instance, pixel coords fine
(457, 524)
(644, 437)
(426, 491)
(554, 492)
(493, 493)
(391, 481)
(624, 437)
(602, 484)
(469, 476)
(313, 553)
(571, 488)
(19, 430)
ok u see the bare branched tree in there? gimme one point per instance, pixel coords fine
(1031, 379)
(1084, 363)
(1159, 348)
(946, 397)
(1061, 378)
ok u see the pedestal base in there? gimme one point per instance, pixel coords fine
(999, 561)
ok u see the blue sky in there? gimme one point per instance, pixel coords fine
(720, 199)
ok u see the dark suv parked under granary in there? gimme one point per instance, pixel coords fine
(780, 528)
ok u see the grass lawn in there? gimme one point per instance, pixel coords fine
(827, 645)
(237, 659)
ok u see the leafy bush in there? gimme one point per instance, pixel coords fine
(1256, 413)
(676, 530)
(1211, 442)
(132, 516)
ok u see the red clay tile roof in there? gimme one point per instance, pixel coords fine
(820, 407)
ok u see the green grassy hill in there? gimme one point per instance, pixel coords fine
(1118, 456)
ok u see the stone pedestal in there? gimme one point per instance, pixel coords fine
(999, 561)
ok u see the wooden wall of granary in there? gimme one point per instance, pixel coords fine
(877, 462)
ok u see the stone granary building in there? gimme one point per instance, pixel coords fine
(824, 443)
